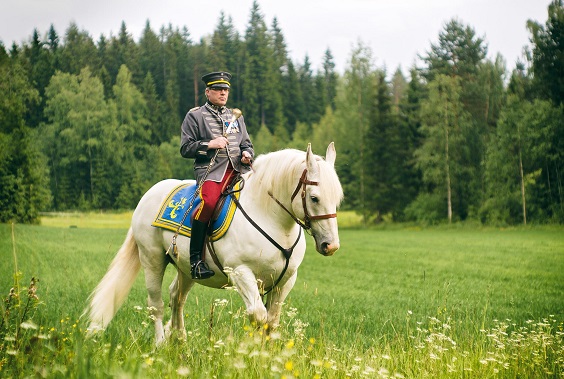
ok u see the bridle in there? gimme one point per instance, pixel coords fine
(303, 183)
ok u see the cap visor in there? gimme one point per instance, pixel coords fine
(221, 85)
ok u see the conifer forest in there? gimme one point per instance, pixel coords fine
(92, 123)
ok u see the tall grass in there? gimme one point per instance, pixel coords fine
(392, 303)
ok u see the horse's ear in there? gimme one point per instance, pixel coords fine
(310, 160)
(331, 154)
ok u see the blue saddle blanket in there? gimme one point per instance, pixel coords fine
(177, 203)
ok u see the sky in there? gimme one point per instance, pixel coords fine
(395, 31)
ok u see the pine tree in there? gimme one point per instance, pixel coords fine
(275, 104)
(3, 54)
(151, 57)
(221, 45)
(292, 96)
(258, 66)
(548, 53)
(460, 54)
(122, 50)
(39, 61)
(155, 111)
(78, 51)
(307, 84)
(330, 78)
(181, 71)
(23, 174)
(389, 150)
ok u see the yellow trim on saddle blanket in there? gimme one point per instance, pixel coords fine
(176, 205)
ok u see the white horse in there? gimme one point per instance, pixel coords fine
(287, 190)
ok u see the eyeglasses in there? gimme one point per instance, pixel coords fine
(219, 89)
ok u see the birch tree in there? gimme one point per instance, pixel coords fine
(443, 151)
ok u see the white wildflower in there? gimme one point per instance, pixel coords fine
(183, 371)
(28, 325)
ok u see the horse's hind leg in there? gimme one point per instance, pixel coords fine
(154, 267)
(179, 289)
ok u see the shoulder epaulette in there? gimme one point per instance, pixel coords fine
(193, 109)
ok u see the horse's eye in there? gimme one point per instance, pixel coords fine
(314, 199)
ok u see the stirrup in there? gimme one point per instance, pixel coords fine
(200, 270)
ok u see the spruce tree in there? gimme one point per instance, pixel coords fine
(548, 53)
(78, 51)
(258, 63)
(330, 78)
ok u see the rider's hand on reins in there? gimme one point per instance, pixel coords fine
(246, 158)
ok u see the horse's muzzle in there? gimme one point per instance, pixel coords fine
(328, 249)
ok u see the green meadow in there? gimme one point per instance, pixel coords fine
(442, 302)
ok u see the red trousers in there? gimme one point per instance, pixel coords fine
(210, 194)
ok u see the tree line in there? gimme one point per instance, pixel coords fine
(90, 124)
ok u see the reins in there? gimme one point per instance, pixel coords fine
(305, 224)
(286, 252)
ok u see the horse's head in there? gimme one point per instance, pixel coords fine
(307, 190)
(316, 199)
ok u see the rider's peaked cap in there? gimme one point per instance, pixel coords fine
(220, 79)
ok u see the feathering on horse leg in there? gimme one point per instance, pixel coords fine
(111, 292)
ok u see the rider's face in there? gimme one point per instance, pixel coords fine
(217, 96)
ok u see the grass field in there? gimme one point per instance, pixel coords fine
(412, 303)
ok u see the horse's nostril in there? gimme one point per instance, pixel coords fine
(328, 248)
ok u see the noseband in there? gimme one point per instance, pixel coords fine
(306, 223)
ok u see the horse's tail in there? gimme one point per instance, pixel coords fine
(114, 287)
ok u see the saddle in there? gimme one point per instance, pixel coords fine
(176, 204)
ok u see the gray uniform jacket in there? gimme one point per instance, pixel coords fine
(205, 123)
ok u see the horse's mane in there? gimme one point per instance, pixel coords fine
(287, 165)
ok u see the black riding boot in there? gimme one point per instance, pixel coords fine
(199, 268)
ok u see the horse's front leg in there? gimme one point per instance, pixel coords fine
(276, 301)
(179, 289)
(246, 283)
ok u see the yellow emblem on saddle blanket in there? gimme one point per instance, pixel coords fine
(176, 205)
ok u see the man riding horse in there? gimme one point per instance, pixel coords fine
(220, 149)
